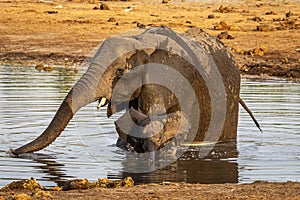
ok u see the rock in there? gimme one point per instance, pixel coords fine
(78, 184)
(112, 19)
(104, 6)
(188, 22)
(222, 25)
(39, 67)
(128, 182)
(224, 9)
(288, 14)
(105, 182)
(140, 25)
(165, 1)
(51, 12)
(285, 60)
(48, 68)
(257, 19)
(264, 28)
(211, 16)
(30, 184)
(260, 51)
(270, 13)
(225, 35)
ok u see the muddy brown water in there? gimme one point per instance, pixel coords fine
(86, 148)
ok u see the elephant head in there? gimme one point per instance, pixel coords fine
(114, 78)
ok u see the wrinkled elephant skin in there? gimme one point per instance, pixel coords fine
(151, 76)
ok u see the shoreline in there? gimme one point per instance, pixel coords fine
(169, 190)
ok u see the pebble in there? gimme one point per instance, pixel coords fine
(211, 16)
(112, 19)
(264, 28)
(140, 25)
(222, 25)
(225, 35)
(271, 13)
(224, 9)
(104, 6)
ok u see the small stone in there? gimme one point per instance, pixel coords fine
(165, 1)
(264, 28)
(288, 14)
(224, 9)
(140, 25)
(39, 67)
(271, 13)
(211, 16)
(223, 35)
(104, 6)
(188, 22)
(259, 51)
(48, 68)
(105, 182)
(285, 60)
(112, 19)
(257, 19)
(30, 184)
(222, 25)
(128, 182)
(77, 184)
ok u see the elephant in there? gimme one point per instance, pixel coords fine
(153, 76)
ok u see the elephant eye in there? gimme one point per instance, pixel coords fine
(119, 72)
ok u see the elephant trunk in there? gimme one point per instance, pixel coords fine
(78, 97)
(57, 125)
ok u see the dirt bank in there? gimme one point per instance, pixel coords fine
(263, 35)
(256, 190)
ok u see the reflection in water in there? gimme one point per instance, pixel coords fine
(52, 170)
(220, 166)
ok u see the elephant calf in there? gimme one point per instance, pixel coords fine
(171, 86)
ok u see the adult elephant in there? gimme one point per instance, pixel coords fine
(169, 84)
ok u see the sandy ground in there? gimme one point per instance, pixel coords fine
(256, 190)
(265, 34)
(264, 38)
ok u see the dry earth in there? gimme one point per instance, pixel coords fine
(263, 35)
(256, 190)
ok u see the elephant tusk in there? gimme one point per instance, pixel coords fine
(102, 102)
